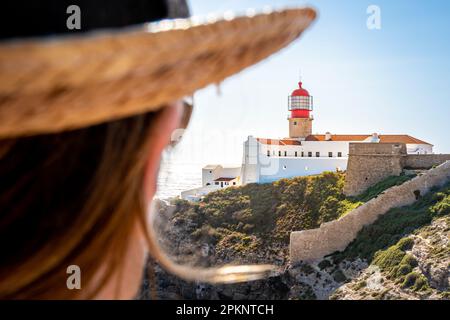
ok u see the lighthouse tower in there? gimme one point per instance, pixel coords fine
(300, 105)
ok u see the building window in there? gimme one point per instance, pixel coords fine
(295, 123)
(285, 153)
(284, 167)
(210, 171)
(279, 153)
(339, 154)
(295, 153)
(208, 184)
(317, 154)
(226, 183)
(268, 153)
(303, 154)
(330, 154)
(234, 183)
(309, 154)
(216, 183)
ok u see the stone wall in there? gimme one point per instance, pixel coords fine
(310, 245)
(424, 161)
(369, 163)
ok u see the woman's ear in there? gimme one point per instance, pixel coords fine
(164, 124)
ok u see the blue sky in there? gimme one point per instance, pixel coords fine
(392, 80)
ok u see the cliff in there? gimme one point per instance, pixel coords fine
(251, 224)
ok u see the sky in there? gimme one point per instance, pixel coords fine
(392, 80)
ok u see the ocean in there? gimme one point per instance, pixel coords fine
(175, 177)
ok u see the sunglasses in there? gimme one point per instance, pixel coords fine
(188, 106)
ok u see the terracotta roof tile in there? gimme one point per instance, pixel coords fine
(384, 138)
(278, 142)
(224, 179)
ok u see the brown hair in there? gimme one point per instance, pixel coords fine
(69, 198)
(75, 198)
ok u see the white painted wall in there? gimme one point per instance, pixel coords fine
(209, 174)
(308, 146)
(289, 167)
(259, 167)
(419, 148)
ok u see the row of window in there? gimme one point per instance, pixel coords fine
(302, 154)
(225, 183)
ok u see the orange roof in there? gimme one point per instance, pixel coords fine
(224, 179)
(384, 138)
(282, 142)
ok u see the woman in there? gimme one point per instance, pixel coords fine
(83, 122)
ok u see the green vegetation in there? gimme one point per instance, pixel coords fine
(244, 218)
(396, 263)
(248, 217)
(387, 242)
(359, 285)
(416, 282)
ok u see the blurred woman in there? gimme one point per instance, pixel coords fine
(84, 119)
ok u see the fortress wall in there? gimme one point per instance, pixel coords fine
(424, 161)
(314, 244)
(369, 163)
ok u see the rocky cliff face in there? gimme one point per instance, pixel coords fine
(422, 271)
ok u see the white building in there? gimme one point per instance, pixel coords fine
(214, 177)
(302, 153)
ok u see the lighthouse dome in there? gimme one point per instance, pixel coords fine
(300, 92)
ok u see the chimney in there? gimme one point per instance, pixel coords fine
(375, 137)
(327, 136)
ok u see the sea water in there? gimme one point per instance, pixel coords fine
(175, 177)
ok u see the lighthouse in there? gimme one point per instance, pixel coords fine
(300, 105)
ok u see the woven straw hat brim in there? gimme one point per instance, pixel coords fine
(58, 84)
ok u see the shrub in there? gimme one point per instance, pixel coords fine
(410, 279)
(339, 276)
(421, 284)
(401, 270)
(405, 244)
(409, 260)
(324, 264)
(388, 259)
(415, 281)
(360, 285)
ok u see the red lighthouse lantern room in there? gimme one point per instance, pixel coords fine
(300, 103)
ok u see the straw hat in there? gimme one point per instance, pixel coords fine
(59, 83)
